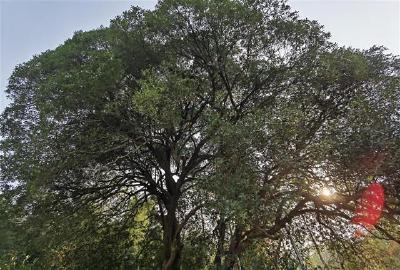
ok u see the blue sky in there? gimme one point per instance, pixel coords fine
(30, 27)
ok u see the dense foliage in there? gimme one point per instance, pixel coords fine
(199, 135)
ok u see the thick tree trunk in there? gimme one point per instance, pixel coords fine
(172, 242)
(220, 232)
(231, 258)
(235, 249)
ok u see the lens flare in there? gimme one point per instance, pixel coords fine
(370, 206)
(327, 192)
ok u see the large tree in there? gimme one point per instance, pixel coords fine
(222, 118)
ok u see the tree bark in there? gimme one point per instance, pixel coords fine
(235, 248)
(220, 231)
(172, 240)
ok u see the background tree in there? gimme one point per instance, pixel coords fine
(198, 135)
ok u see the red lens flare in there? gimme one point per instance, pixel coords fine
(369, 208)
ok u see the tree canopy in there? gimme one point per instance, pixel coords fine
(198, 135)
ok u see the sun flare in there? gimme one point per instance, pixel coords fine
(327, 192)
